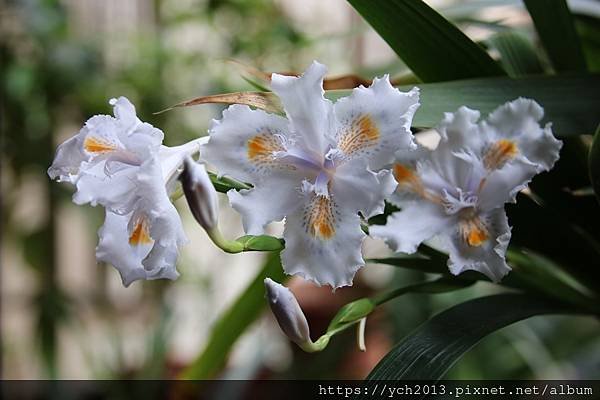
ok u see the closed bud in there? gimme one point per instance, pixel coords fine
(200, 194)
(288, 313)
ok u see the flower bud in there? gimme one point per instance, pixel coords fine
(200, 194)
(288, 313)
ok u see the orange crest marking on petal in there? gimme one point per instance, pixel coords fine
(320, 219)
(141, 233)
(408, 180)
(94, 144)
(499, 154)
(403, 174)
(474, 232)
(262, 146)
(361, 134)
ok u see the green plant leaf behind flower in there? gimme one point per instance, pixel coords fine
(578, 115)
(517, 55)
(432, 47)
(556, 29)
(233, 323)
(430, 351)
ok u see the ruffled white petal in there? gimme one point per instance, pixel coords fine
(124, 110)
(166, 228)
(488, 258)
(68, 158)
(518, 120)
(119, 142)
(407, 229)
(501, 186)
(117, 192)
(323, 243)
(114, 249)
(357, 188)
(270, 200)
(144, 243)
(459, 131)
(244, 142)
(447, 170)
(374, 122)
(310, 114)
(131, 260)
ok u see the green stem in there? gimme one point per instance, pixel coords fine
(319, 345)
(228, 246)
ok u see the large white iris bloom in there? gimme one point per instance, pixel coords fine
(315, 167)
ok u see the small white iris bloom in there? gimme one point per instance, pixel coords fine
(120, 163)
(315, 167)
(457, 192)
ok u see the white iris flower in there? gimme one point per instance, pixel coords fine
(120, 163)
(315, 167)
(457, 192)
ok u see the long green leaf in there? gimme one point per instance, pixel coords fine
(531, 272)
(548, 232)
(517, 54)
(430, 351)
(234, 322)
(571, 102)
(433, 48)
(554, 24)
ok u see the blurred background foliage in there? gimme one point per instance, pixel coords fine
(62, 61)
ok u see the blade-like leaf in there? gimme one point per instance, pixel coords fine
(554, 24)
(531, 272)
(517, 54)
(264, 100)
(234, 322)
(433, 48)
(430, 351)
(547, 232)
(571, 102)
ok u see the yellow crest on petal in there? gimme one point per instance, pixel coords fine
(96, 145)
(320, 219)
(499, 153)
(474, 232)
(141, 233)
(361, 134)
